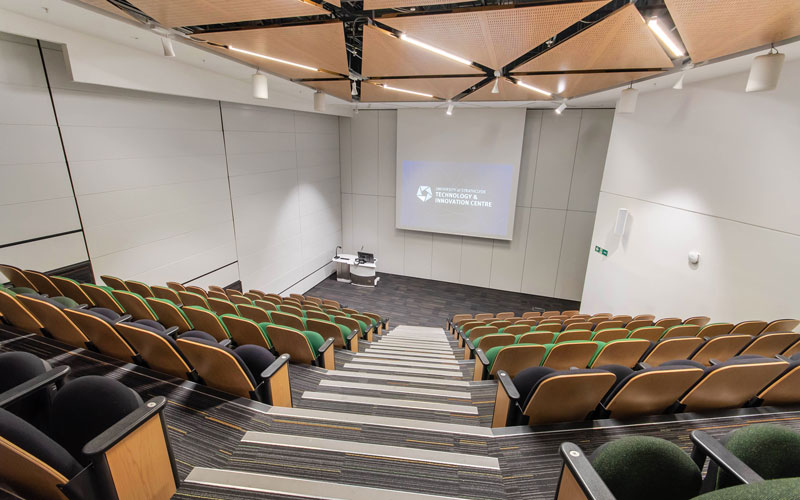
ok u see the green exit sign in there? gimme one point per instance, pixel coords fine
(601, 250)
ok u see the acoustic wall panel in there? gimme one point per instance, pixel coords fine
(508, 257)
(543, 251)
(556, 157)
(590, 156)
(575, 250)
(446, 257)
(391, 241)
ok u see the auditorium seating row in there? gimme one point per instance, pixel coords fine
(544, 395)
(754, 462)
(89, 438)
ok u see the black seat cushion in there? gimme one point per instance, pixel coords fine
(684, 362)
(637, 467)
(87, 406)
(256, 358)
(37, 443)
(154, 325)
(197, 334)
(622, 372)
(527, 379)
(17, 368)
(106, 315)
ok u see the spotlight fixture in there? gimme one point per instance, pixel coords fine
(260, 86)
(679, 84)
(765, 71)
(353, 88)
(531, 87)
(560, 109)
(496, 86)
(435, 50)
(406, 91)
(319, 101)
(627, 101)
(274, 59)
(665, 38)
(450, 109)
(166, 44)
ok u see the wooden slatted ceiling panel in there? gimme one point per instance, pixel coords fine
(497, 37)
(445, 88)
(104, 5)
(620, 41)
(385, 55)
(716, 28)
(198, 12)
(339, 88)
(319, 46)
(568, 86)
(391, 4)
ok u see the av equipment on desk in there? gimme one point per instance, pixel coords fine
(358, 270)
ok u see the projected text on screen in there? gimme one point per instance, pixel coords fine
(456, 197)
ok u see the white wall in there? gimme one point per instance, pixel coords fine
(35, 192)
(561, 169)
(284, 172)
(711, 169)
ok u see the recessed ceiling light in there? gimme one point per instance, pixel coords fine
(274, 59)
(449, 111)
(406, 91)
(665, 38)
(435, 50)
(535, 89)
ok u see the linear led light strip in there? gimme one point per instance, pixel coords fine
(665, 39)
(535, 89)
(274, 59)
(433, 49)
(406, 91)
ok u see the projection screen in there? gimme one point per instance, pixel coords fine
(458, 174)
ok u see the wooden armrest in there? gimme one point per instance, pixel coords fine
(352, 341)
(326, 353)
(578, 477)
(276, 388)
(481, 369)
(505, 401)
(707, 446)
(56, 375)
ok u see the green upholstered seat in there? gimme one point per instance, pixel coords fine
(772, 451)
(492, 353)
(639, 467)
(776, 489)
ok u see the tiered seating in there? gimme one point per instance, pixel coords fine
(754, 462)
(617, 391)
(95, 438)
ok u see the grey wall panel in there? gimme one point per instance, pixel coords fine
(557, 145)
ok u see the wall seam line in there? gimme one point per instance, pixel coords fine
(230, 190)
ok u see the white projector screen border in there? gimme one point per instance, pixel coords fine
(484, 140)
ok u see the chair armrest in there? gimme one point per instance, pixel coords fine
(129, 423)
(276, 389)
(172, 331)
(352, 334)
(124, 318)
(56, 375)
(505, 401)
(469, 349)
(643, 366)
(82, 306)
(713, 362)
(226, 343)
(578, 472)
(326, 354)
(783, 358)
(707, 446)
(481, 367)
(481, 356)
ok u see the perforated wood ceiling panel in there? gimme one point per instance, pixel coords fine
(494, 38)
(445, 88)
(104, 5)
(716, 28)
(385, 55)
(199, 12)
(620, 41)
(390, 4)
(570, 85)
(340, 89)
(318, 46)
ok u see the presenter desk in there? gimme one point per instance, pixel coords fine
(348, 270)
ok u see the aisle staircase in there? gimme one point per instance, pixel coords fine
(400, 419)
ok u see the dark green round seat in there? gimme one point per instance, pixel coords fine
(639, 467)
(776, 489)
(772, 451)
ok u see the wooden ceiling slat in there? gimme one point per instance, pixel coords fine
(318, 45)
(620, 41)
(444, 88)
(338, 88)
(566, 85)
(174, 13)
(494, 38)
(104, 5)
(393, 4)
(717, 28)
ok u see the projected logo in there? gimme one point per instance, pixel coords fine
(424, 193)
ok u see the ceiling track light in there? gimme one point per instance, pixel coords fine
(679, 84)
(665, 38)
(166, 44)
(319, 101)
(535, 89)
(422, 94)
(496, 86)
(274, 59)
(353, 89)
(449, 111)
(627, 101)
(260, 86)
(435, 50)
(560, 109)
(765, 71)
